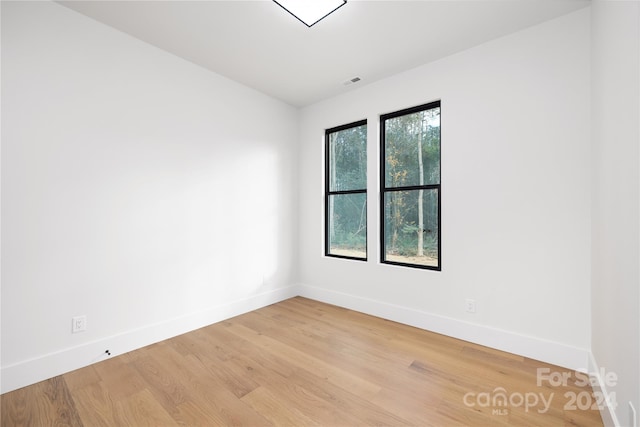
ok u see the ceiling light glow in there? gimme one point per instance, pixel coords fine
(309, 12)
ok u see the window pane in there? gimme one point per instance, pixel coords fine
(348, 159)
(348, 225)
(411, 227)
(412, 149)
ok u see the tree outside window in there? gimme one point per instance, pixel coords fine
(410, 183)
(346, 191)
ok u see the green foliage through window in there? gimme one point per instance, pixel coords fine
(410, 144)
(346, 191)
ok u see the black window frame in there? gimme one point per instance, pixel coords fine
(328, 193)
(384, 189)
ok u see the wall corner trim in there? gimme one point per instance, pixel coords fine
(607, 411)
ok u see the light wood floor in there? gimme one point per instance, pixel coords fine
(303, 363)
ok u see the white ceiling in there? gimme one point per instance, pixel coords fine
(259, 44)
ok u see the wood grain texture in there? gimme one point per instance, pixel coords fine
(304, 363)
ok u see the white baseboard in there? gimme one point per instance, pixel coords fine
(532, 347)
(608, 413)
(50, 365)
(47, 366)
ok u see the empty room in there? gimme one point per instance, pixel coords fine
(329, 213)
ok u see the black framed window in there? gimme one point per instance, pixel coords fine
(410, 185)
(346, 191)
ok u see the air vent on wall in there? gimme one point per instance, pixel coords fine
(351, 81)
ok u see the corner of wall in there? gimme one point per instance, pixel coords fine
(607, 410)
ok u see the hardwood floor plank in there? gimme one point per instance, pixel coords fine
(275, 410)
(325, 343)
(81, 378)
(295, 396)
(214, 340)
(166, 389)
(207, 392)
(45, 403)
(142, 409)
(362, 409)
(96, 406)
(301, 359)
(119, 377)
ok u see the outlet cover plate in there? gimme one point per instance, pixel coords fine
(470, 305)
(78, 324)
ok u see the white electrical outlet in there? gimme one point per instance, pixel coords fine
(470, 305)
(78, 324)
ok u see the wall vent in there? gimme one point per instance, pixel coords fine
(352, 81)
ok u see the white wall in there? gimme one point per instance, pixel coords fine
(138, 189)
(515, 196)
(616, 199)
